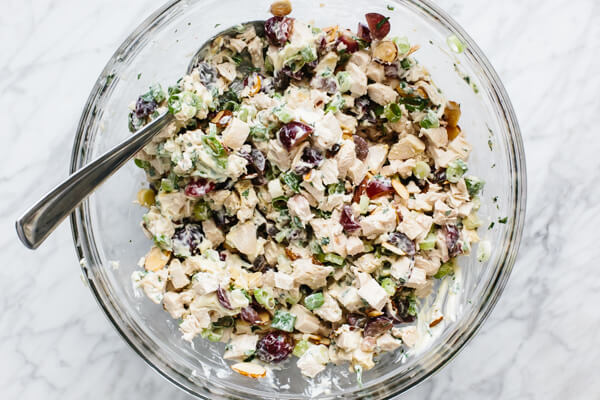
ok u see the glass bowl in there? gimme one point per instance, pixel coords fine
(106, 227)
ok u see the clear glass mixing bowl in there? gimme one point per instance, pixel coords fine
(106, 226)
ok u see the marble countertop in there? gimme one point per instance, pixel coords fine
(542, 340)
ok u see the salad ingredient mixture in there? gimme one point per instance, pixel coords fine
(311, 190)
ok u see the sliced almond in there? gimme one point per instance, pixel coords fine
(374, 313)
(400, 189)
(291, 255)
(156, 259)
(249, 369)
(385, 51)
(316, 339)
(436, 321)
(281, 8)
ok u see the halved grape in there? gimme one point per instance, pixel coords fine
(278, 29)
(363, 32)
(378, 24)
(144, 107)
(347, 220)
(199, 187)
(403, 242)
(223, 298)
(293, 133)
(350, 43)
(378, 326)
(186, 240)
(378, 187)
(274, 347)
(452, 235)
(361, 147)
(250, 315)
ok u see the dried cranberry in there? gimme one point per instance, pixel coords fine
(281, 81)
(250, 315)
(378, 24)
(347, 220)
(378, 187)
(256, 162)
(391, 70)
(363, 32)
(199, 187)
(350, 43)
(402, 241)
(223, 298)
(278, 29)
(311, 156)
(361, 107)
(186, 240)
(207, 73)
(377, 326)
(361, 147)
(356, 320)
(143, 107)
(222, 256)
(293, 133)
(274, 347)
(452, 235)
(223, 220)
(333, 151)
(439, 176)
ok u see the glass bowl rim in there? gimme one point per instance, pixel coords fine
(85, 244)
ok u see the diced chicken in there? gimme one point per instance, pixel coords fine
(255, 48)
(436, 136)
(443, 214)
(327, 63)
(346, 121)
(174, 205)
(381, 221)
(417, 278)
(360, 58)
(400, 268)
(326, 228)
(354, 245)
(213, 232)
(387, 342)
(442, 157)
(346, 156)
(237, 44)
(153, 284)
(241, 347)
(370, 290)
(416, 73)
(248, 200)
(407, 147)
(329, 171)
(415, 225)
(243, 237)
(174, 303)
(318, 98)
(348, 340)
(204, 283)
(236, 133)
(191, 326)
(357, 172)
(176, 274)
(430, 265)
(306, 322)
(327, 132)
(368, 263)
(299, 207)
(358, 78)
(362, 358)
(375, 71)
(376, 157)
(283, 281)
(263, 101)
(408, 334)
(157, 224)
(460, 146)
(275, 188)
(402, 168)
(381, 94)
(433, 94)
(313, 361)
(330, 310)
(312, 275)
(350, 299)
(238, 299)
(227, 71)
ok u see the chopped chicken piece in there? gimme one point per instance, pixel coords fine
(330, 310)
(358, 78)
(299, 207)
(407, 147)
(312, 275)
(370, 290)
(236, 133)
(241, 347)
(381, 94)
(306, 322)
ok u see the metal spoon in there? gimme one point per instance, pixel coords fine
(44, 216)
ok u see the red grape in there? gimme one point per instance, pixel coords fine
(363, 33)
(378, 187)
(350, 42)
(274, 347)
(199, 187)
(378, 24)
(377, 326)
(402, 241)
(293, 133)
(278, 29)
(223, 298)
(347, 220)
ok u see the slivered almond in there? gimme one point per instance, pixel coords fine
(316, 339)
(156, 259)
(346, 134)
(436, 321)
(249, 369)
(412, 50)
(374, 313)
(291, 255)
(400, 188)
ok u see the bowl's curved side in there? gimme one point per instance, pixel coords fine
(86, 250)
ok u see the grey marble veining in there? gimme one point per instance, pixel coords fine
(542, 340)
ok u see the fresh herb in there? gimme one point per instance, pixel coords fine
(490, 144)
(502, 220)
(292, 180)
(381, 23)
(245, 193)
(491, 225)
(325, 241)
(139, 75)
(389, 7)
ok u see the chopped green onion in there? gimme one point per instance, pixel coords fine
(331, 258)
(455, 44)
(214, 335)
(344, 81)
(392, 112)
(389, 286)
(283, 114)
(301, 347)
(314, 301)
(421, 170)
(445, 269)
(201, 211)
(455, 170)
(264, 298)
(336, 104)
(430, 120)
(279, 203)
(402, 44)
(292, 180)
(284, 321)
(474, 185)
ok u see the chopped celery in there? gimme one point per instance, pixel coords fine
(264, 298)
(445, 269)
(167, 185)
(474, 185)
(284, 321)
(344, 81)
(283, 114)
(301, 347)
(389, 286)
(421, 170)
(455, 170)
(336, 104)
(430, 120)
(201, 211)
(331, 258)
(429, 242)
(214, 335)
(314, 301)
(472, 221)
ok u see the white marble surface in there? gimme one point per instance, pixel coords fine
(542, 341)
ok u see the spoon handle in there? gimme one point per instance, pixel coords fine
(44, 216)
